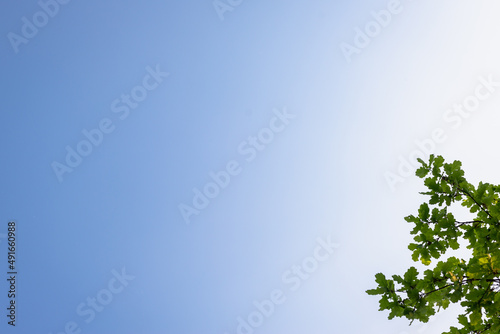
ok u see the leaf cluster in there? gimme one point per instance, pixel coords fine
(475, 282)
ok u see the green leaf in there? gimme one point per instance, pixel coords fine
(462, 320)
(454, 244)
(381, 280)
(423, 212)
(421, 172)
(475, 318)
(374, 291)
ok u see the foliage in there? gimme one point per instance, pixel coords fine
(475, 282)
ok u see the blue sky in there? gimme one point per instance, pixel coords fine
(304, 225)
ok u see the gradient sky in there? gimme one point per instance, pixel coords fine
(320, 175)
